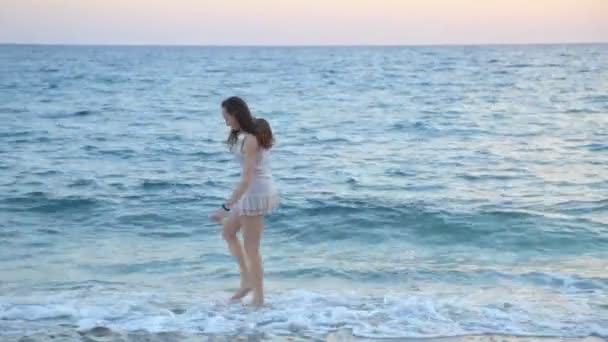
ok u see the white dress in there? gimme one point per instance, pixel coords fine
(261, 197)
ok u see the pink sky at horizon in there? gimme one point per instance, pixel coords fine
(299, 22)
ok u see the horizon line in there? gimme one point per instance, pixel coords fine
(297, 45)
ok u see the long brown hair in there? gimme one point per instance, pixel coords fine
(263, 133)
(237, 108)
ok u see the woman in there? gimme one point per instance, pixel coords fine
(254, 197)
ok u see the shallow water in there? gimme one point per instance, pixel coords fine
(426, 191)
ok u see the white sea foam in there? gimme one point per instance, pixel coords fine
(316, 313)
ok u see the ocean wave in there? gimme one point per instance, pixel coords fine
(400, 172)
(151, 184)
(564, 282)
(374, 221)
(394, 273)
(13, 134)
(581, 111)
(82, 183)
(164, 266)
(600, 99)
(165, 235)
(7, 234)
(123, 153)
(193, 198)
(49, 231)
(583, 207)
(595, 147)
(147, 219)
(38, 244)
(68, 114)
(519, 66)
(83, 113)
(330, 140)
(32, 140)
(11, 110)
(70, 286)
(46, 203)
(48, 70)
(418, 126)
(315, 314)
(486, 177)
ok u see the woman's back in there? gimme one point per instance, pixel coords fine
(262, 169)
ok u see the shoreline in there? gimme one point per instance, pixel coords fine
(103, 334)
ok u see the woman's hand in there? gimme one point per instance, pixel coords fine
(219, 214)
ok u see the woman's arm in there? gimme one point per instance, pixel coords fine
(251, 155)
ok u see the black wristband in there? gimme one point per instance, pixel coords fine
(225, 207)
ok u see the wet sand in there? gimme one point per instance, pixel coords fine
(102, 334)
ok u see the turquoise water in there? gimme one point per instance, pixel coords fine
(426, 191)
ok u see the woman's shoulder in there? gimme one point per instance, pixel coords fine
(250, 140)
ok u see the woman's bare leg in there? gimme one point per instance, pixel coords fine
(253, 227)
(231, 227)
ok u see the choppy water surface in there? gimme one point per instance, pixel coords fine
(427, 191)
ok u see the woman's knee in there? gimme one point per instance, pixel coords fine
(230, 229)
(252, 234)
(229, 235)
(251, 249)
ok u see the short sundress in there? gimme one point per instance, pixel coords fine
(262, 197)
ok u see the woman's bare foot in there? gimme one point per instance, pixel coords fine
(257, 302)
(241, 293)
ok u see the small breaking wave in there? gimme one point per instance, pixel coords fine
(45, 203)
(151, 184)
(315, 313)
(373, 221)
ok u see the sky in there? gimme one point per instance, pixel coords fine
(303, 22)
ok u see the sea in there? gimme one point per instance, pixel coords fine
(426, 191)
